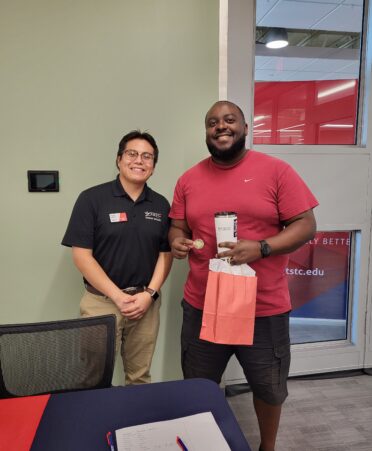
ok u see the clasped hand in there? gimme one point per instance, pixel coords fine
(134, 307)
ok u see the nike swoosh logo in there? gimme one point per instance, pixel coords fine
(247, 180)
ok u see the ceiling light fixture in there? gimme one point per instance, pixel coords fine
(337, 126)
(276, 38)
(342, 87)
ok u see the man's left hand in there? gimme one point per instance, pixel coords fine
(244, 251)
(141, 302)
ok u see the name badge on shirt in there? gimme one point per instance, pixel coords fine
(118, 217)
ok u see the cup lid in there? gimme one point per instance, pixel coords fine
(225, 213)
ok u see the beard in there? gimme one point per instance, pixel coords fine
(228, 154)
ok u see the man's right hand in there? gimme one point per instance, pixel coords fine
(181, 247)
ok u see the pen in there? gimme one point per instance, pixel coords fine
(181, 444)
(110, 441)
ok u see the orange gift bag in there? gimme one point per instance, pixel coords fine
(230, 304)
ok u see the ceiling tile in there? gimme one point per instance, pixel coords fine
(354, 2)
(263, 7)
(260, 61)
(352, 68)
(339, 76)
(266, 75)
(285, 64)
(337, 2)
(329, 65)
(295, 14)
(344, 18)
(307, 75)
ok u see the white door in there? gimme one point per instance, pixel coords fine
(332, 331)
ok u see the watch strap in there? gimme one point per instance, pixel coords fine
(154, 294)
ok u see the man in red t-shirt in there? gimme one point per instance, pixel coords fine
(275, 217)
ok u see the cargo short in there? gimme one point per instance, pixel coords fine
(265, 363)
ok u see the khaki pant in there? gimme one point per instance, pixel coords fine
(136, 339)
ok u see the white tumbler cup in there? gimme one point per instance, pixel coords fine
(226, 223)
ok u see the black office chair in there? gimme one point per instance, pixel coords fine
(56, 356)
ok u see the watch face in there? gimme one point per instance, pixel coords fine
(154, 294)
(265, 249)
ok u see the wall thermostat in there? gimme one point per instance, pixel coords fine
(43, 181)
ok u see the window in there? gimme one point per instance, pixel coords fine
(307, 92)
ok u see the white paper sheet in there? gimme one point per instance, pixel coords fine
(199, 432)
(219, 265)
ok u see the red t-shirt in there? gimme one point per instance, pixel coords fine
(263, 191)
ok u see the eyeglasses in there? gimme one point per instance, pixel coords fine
(132, 155)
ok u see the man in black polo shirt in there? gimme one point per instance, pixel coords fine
(118, 234)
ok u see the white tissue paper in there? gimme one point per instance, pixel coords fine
(219, 265)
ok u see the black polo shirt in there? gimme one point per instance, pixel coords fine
(125, 236)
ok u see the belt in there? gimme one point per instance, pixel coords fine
(128, 290)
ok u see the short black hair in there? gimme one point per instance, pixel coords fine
(229, 103)
(137, 134)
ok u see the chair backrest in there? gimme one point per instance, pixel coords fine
(56, 356)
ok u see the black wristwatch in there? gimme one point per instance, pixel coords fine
(265, 249)
(154, 294)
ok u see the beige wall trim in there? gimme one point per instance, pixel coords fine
(223, 33)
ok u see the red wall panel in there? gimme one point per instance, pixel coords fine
(305, 112)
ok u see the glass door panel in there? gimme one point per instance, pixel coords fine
(318, 277)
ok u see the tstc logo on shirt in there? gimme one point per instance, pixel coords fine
(153, 216)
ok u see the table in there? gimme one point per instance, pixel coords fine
(80, 420)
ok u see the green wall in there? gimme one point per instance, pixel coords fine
(75, 77)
